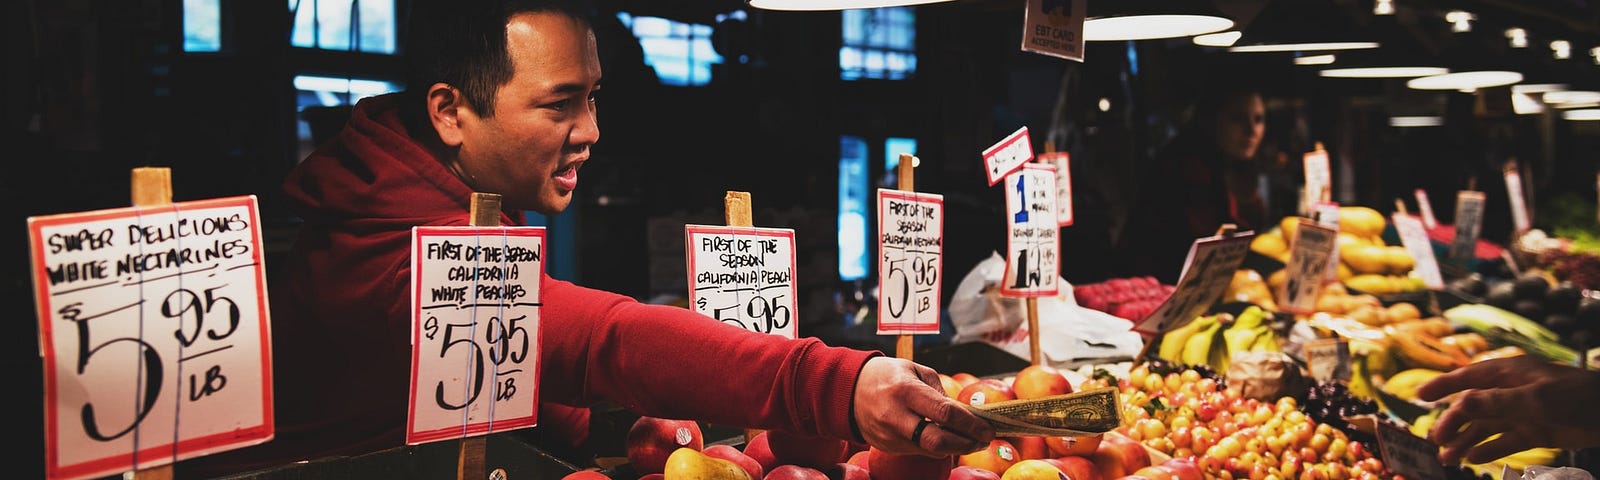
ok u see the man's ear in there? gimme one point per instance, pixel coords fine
(445, 107)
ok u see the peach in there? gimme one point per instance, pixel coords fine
(1036, 381)
(997, 457)
(1032, 470)
(758, 448)
(1156, 472)
(586, 475)
(1030, 447)
(987, 390)
(910, 466)
(964, 378)
(847, 471)
(859, 459)
(1080, 446)
(1078, 467)
(812, 452)
(951, 386)
(727, 452)
(1118, 456)
(795, 472)
(1184, 468)
(972, 473)
(652, 439)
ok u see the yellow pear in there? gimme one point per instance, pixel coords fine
(689, 464)
(1270, 244)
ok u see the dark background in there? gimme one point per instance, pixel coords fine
(94, 88)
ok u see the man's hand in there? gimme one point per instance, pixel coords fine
(1529, 401)
(893, 395)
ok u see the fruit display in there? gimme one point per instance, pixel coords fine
(1366, 262)
(1132, 298)
(1212, 340)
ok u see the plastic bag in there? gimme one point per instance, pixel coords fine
(1069, 332)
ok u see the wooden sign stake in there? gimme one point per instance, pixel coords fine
(905, 345)
(152, 186)
(736, 213)
(473, 452)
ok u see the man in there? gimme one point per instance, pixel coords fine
(502, 100)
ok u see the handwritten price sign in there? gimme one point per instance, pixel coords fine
(1308, 265)
(474, 330)
(1000, 159)
(1063, 163)
(1415, 238)
(1032, 239)
(744, 276)
(1206, 274)
(911, 243)
(154, 332)
(1469, 223)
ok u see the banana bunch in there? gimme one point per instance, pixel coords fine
(1213, 339)
(1405, 383)
(1517, 462)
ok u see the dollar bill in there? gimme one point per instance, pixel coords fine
(1077, 414)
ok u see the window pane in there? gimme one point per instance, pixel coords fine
(878, 43)
(327, 24)
(202, 25)
(333, 24)
(852, 208)
(377, 26)
(680, 53)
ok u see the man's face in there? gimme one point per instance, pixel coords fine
(544, 118)
(1240, 125)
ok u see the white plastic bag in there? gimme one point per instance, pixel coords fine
(1069, 332)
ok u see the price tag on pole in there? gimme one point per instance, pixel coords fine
(1425, 208)
(1469, 222)
(910, 263)
(1319, 179)
(1054, 28)
(1328, 359)
(744, 276)
(153, 331)
(1328, 216)
(475, 330)
(1521, 221)
(1308, 266)
(1407, 454)
(1416, 241)
(1063, 164)
(1034, 262)
(1000, 159)
(1206, 274)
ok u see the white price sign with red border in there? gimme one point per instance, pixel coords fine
(154, 332)
(475, 330)
(744, 276)
(1007, 156)
(910, 261)
(1033, 264)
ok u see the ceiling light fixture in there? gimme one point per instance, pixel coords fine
(1150, 27)
(1460, 20)
(1531, 88)
(1572, 96)
(1561, 49)
(1302, 47)
(1525, 104)
(1323, 59)
(1416, 121)
(1465, 81)
(1383, 72)
(823, 5)
(1587, 114)
(1219, 39)
(1383, 7)
(1518, 37)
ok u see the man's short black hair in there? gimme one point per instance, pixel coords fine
(462, 43)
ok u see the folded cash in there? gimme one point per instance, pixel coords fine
(1077, 414)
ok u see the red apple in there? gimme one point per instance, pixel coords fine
(727, 452)
(1036, 381)
(859, 459)
(987, 390)
(972, 473)
(847, 471)
(585, 475)
(997, 457)
(758, 448)
(1156, 472)
(1080, 446)
(652, 439)
(892, 466)
(1078, 467)
(795, 472)
(1186, 468)
(1119, 456)
(1031, 447)
(813, 452)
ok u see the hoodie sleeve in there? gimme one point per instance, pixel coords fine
(672, 362)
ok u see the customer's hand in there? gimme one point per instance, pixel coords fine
(894, 395)
(1529, 401)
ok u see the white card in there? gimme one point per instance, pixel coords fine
(1033, 243)
(154, 332)
(744, 276)
(910, 261)
(475, 330)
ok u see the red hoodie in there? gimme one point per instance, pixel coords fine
(341, 323)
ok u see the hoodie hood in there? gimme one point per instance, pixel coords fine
(374, 174)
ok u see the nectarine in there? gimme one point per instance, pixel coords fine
(1032, 470)
(964, 378)
(952, 388)
(972, 473)
(997, 457)
(758, 448)
(1119, 456)
(984, 391)
(795, 472)
(652, 439)
(812, 452)
(847, 471)
(738, 457)
(1037, 381)
(891, 466)
(1081, 446)
(1031, 447)
(1078, 467)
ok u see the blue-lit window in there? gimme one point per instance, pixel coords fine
(680, 53)
(892, 148)
(315, 91)
(351, 25)
(879, 43)
(853, 203)
(202, 25)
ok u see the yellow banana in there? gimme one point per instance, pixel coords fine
(1405, 383)
(1197, 349)
(1172, 343)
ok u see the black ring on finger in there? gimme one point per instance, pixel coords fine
(916, 434)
